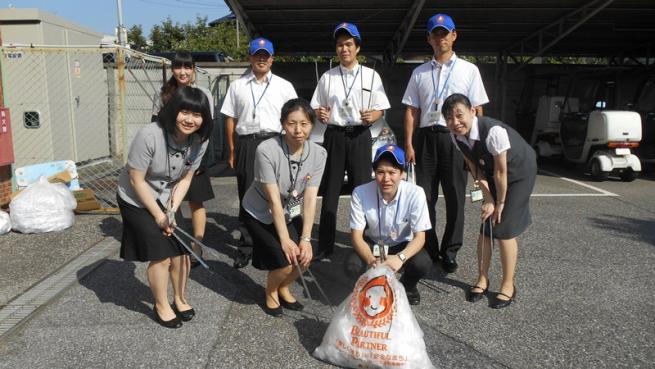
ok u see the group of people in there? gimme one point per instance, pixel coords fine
(279, 173)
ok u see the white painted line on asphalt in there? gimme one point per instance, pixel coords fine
(604, 192)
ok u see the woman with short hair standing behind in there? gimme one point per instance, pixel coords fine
(184, 74)
(160, 165)
(280, 204)
(505, 167)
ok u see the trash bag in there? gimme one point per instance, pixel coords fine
(43, 207)
(375, 327)
(5, 222)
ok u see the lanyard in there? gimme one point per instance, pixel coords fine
(395, 217)
(252, 93)
(348, 90)
(437, 94)
(293, 179)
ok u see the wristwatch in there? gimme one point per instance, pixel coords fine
(306, 239)
(402, 257)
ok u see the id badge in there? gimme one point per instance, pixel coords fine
(434, 116)
(386, 250)
(293, 208)
(476, 194)
(170, 214)
(376, 251)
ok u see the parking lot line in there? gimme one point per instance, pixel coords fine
(600, 190)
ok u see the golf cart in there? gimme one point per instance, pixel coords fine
(602, 139)
(644, 104)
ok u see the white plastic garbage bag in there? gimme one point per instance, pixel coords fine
(43, 207)
(375, 327)
(5, 222)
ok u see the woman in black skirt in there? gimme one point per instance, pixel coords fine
(160, 165)
(280, 204)
(184, 74)
(504, 167)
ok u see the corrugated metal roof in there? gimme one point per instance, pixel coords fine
(574, 27)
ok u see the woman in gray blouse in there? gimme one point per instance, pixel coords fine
(160, 165)
(280, 204)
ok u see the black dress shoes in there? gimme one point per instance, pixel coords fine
(475, 296)
(185, 315)
(323, 256)
(413, 296)
(499, 304)
(241, 260)
(173, 323)
(448, 265)
(296, 306)
(275, 312)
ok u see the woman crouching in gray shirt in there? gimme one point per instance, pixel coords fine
(280, 204)
(160, 165)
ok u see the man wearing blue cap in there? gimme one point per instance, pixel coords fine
(252, 107)
(437, 160)
(389, 217)
(348, 98)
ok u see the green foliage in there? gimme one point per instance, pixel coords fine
(196, 36)
(136, 39)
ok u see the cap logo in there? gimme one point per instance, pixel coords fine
(440, 19)
(390, 148)
(261, 42)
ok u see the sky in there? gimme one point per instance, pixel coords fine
(102, 15)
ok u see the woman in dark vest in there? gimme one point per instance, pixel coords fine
(504, 167)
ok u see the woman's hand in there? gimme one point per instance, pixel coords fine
(291, 251)
(486, 210)
(394, 262)
(306, 253)
(498, 212)
(163, 223)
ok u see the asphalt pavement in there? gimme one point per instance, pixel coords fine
(585, 282)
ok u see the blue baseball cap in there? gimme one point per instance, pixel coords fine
(348, 27)
(441, 20)
(396, 152)
(261, 44)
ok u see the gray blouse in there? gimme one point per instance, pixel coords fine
(164, 166)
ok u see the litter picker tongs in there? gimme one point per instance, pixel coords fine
(187, 247)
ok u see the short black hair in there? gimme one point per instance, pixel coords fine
(191, 99)
(343, 31)
(387, 156)
(452, 101)
(295, 105)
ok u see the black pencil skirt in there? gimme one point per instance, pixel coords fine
(515, 218)
(200, 189)
(267, 251)
(142, 239)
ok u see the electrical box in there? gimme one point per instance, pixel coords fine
(6, 143)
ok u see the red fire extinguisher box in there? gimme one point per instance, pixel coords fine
(6, 144)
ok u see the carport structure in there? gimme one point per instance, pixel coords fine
(511, 32)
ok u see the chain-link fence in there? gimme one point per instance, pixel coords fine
(85, 105)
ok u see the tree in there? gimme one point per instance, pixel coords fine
(136, 39)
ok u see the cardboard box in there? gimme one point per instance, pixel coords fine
(86, 200)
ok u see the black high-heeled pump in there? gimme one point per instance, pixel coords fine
(474, 296)
(499, 304)
(185, 315)
(173, 323)
(296, 306)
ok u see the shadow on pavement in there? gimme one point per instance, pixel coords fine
(310, 332)
(124, 290)
(632, 228)
(112, 227)
(240, 288)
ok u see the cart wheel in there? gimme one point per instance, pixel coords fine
(597, 172)
(628, 175)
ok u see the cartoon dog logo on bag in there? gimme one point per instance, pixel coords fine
(374, 304)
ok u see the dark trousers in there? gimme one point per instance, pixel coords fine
(415, 268)
(349, 151)
(244, 154)
(439, 162)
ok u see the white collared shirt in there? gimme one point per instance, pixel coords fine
(363, 86)
(464, 79)
(265, 117)
(404, 215)
(497, 140)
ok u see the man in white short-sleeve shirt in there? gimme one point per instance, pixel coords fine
(252, 107)
(348, 98)
(391, 214)
(437, 160)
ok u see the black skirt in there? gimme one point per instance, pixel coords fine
(142, 238)
(267, 251)
(515, 218)
(200, 189)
